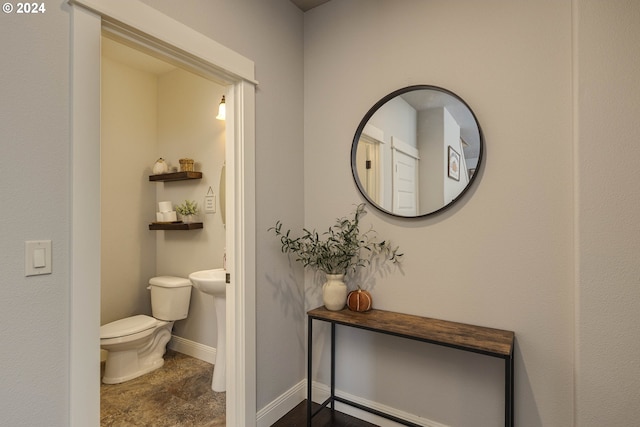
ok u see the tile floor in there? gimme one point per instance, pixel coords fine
(177, 395)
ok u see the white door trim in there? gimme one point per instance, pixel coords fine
(84, 316)
(157, 32)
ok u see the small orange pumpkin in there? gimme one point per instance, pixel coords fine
(359, 300)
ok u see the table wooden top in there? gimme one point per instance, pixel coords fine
(477, 339)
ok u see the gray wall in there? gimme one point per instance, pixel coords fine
(607, 214)
(515, 233)
(503, 256)
(34, 196)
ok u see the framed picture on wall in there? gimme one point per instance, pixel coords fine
(454, 164)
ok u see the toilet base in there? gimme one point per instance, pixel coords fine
(126, 364)
(109, 379)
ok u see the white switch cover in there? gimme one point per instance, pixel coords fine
(37, 257)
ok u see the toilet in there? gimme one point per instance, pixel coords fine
(136, 344)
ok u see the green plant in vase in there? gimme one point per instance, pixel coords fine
(337, 252)
(188, 210)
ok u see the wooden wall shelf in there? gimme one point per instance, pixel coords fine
(175, 176)
(175, 226)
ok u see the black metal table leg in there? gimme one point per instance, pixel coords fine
(333, 365)
(309, 352)
(509, 390)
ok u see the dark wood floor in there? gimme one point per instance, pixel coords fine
(297, 417)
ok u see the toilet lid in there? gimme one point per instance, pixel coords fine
(128, 326)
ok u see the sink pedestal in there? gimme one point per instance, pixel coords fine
(219, 381)
(213, 282)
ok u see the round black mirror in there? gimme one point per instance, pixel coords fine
(416, 151)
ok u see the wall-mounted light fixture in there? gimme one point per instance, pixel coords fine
(222, 110)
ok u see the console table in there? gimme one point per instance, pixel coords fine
(476, 339)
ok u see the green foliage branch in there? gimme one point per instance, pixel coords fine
(189, 207)
(342, 249)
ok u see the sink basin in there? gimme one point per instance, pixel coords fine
(212, 282)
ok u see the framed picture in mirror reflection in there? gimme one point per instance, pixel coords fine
(454, 164)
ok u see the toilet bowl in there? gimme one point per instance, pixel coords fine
(136, 344)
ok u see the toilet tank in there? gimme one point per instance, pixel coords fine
(170, 297)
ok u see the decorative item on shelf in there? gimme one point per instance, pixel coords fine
(168, 216)
(160, 166)
(188, 211)
(339, 251)
(165, 213)
(166, 206)
(186, 165)
(359, 300)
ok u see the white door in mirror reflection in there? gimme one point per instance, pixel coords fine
(405, 178)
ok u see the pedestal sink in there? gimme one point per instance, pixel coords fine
(213, 282)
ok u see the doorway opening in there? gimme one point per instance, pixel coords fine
(152, 109)
(156, 33)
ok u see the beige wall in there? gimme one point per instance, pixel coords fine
(503, 256)
(128, 147)
(187, 106)
(146, 115)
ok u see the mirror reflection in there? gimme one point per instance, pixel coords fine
(416, 151)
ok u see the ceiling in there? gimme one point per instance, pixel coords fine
(305, 5)
(134, 58)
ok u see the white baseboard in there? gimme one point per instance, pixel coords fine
(296, 394)
(321, 393)
(284, 403)
(193, 349)
(278, 408)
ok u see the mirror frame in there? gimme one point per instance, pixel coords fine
(374, 109)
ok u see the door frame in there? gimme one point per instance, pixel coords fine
(156, 32)
(372, 139)
(400, 150)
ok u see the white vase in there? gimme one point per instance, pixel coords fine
(334, 292)
(189, 218)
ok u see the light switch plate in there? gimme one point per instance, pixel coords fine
(37, 257)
